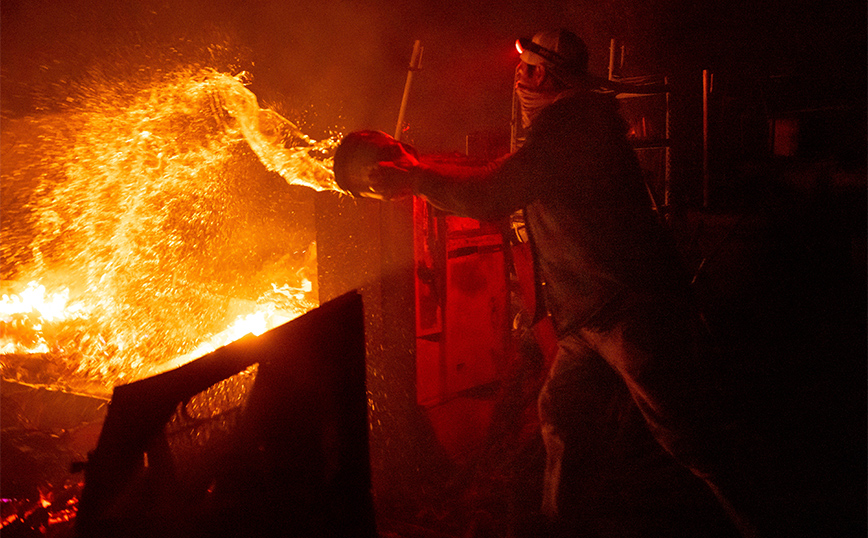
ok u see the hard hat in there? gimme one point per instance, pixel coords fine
(559, 47)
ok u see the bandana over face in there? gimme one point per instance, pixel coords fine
(534, 99)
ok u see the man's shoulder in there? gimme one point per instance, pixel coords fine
(579, 110)
(586, 100)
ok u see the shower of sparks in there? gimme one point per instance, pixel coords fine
(134, 260)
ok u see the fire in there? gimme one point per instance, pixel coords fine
(33, 299)
(255, 323)
(28, 312)
(142, 221)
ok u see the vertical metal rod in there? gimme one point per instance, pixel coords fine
(515, 120)
(612, 59)
(705, 172)
(415, 63)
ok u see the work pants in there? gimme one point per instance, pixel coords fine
(651, 362)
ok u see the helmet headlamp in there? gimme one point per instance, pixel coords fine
(523, 44)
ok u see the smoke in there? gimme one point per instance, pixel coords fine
(340, 65)
(328, 65)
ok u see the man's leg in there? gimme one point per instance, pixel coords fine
(658, 352)
(579, 408)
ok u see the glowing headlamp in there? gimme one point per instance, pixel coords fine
(523, 44)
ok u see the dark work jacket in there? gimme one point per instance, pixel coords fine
(597, 242)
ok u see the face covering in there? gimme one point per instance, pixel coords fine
(533, 100)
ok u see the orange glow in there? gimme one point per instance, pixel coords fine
(255, 323)
(33, 299)
(28, 312)
(132, 217)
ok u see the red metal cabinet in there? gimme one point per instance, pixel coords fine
(462, 317)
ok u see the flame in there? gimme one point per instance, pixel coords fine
(47, 307)
(255, 323)
(29, 311)
(34, 300)
(140, 218)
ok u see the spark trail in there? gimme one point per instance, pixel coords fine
(140, 215)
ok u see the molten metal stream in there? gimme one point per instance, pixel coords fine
(135, 195)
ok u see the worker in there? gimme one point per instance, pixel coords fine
(610, 276)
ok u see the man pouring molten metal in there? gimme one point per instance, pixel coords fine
(610, 278)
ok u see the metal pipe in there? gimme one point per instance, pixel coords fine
(415, 65)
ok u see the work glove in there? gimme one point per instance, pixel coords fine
(393, 178)
(372, 164)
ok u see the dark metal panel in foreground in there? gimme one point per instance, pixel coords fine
(293, 460)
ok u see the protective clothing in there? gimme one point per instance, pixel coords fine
(617, 294)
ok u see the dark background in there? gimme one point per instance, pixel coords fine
(786, 284)
(332, 65)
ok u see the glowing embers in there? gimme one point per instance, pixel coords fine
(53, 514)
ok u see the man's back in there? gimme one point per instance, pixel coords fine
(594, 230)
